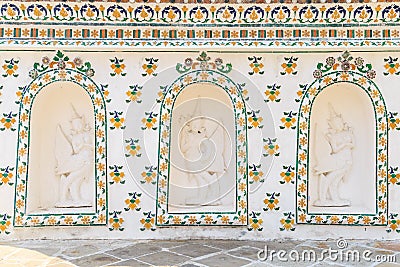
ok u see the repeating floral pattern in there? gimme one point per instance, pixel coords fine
(149, 175)
(271, 201)
(394, 175)
(288, 120)
(61, 68)
(287, 222)
(393, 223)
(8, 121)
(116, 120)
(289, 66)
(255, 174)
(203, 75)
(256, 65)
(271, 147)
(150, 121)
(5, 224)
(6, 176)
(272, 93)
(10, 68)
(148, 221)
(115, 221)
(150, 66)
(117, 176)
(255, 222)
(132, 147)
(133, 201)
(215, 13)
(165, 25)
(134, 94)
(117, 67)
(343, 69)
(393, 121)
(174, 36)
(287, 175)
(392, 66)
(254, 119)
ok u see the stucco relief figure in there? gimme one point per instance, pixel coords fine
(334, 168)
(75, 162)
(202, 143)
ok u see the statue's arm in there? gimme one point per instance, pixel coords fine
(337, 148)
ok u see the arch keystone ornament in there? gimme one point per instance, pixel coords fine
(352, 75)
(202, 74)
(50, 71)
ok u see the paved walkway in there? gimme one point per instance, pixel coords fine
(218, 253)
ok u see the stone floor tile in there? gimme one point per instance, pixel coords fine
(27, 254)
(245, 252)
(190, 265)
(223, 260)
(135, 250)
(13, 262)
(130, 263)
(79, 251)
(276, 244)
(49, 251)
(171, 243)
(7, 251)
(223, 244)
(333, 244)
(163, 258)
(55, 260)
(95, 260)
(388, 245)
(194, 250)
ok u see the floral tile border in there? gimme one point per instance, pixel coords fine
(205, 75)
(342, 70)
(60, 68)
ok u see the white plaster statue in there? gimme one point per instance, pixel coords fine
(335, 167)
(202, 142)
(75, 162)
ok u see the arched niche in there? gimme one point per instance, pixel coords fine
(62, 131)
(328, 151)
(201, 172)
(202, 168)
(342, 133)
(55, 111)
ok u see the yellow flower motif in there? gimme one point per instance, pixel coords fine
(161, 219)
(147, 223)
(68, 220)
(85, 220)
(255, 223)
(225, 219)
(350, 220)
(176, 220)
(208, 219)
(302, 217)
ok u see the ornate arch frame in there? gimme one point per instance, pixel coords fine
(240, 215)
(360, 75)
(43, 74)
